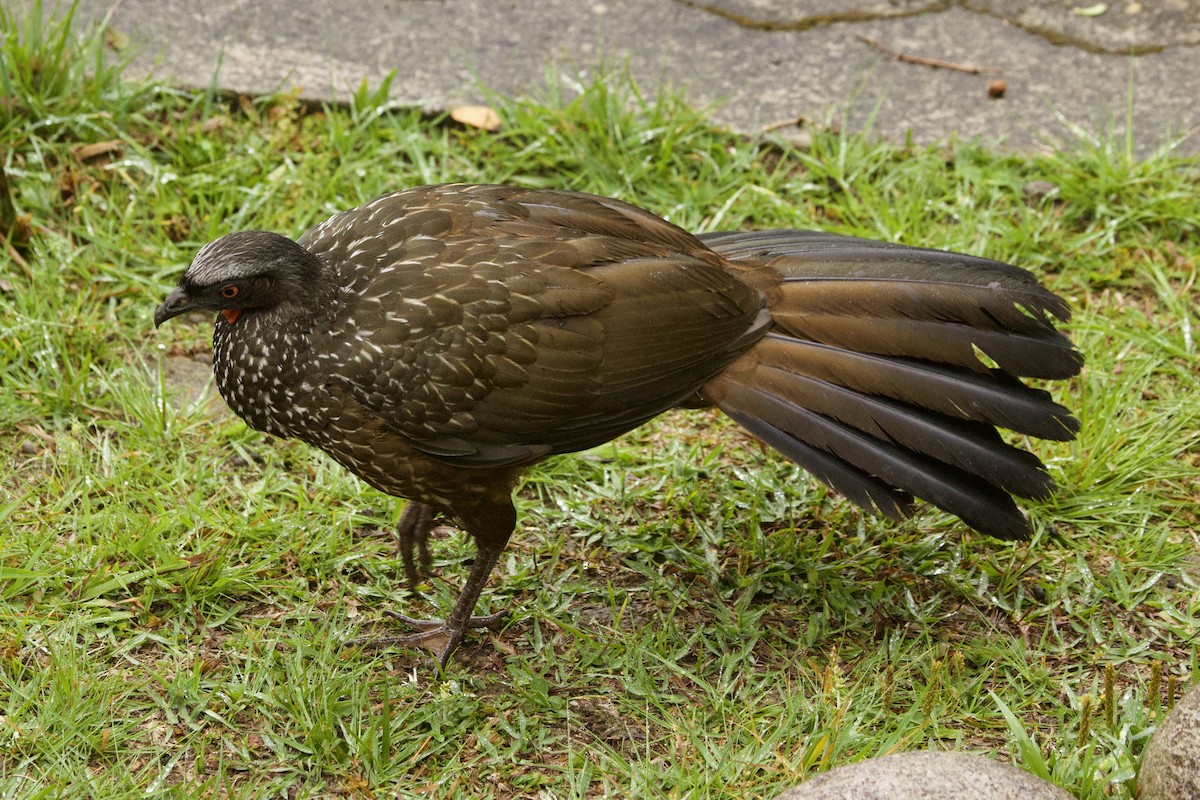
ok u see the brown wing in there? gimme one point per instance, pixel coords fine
(500, 325)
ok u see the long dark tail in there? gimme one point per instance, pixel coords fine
(890, 368)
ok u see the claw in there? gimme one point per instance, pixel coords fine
(492, 622)
(441, 640)
(434, 634)
(442, 637)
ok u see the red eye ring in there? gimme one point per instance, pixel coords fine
(229, 292)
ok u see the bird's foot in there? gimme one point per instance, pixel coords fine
(443, 636)
(434, 634)
(492, 622)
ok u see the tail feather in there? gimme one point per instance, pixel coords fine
(894, 300)
(933, 292)
(877, 378)
(816, 255)
(993, 397)
(972, 499)
(972, 447)
(935, 340)
(858, 486)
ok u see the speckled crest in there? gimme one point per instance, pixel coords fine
(236, 256)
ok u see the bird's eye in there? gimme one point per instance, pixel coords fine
(230, 291)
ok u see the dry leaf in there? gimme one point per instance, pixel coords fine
(86, 152)
(115, 39)
(480, 117)
(214, 123)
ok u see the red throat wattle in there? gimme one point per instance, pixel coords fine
(231, 314)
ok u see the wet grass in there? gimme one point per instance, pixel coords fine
(692, 616)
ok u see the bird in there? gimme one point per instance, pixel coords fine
(439, 339)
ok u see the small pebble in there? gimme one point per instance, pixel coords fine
(1037, 190)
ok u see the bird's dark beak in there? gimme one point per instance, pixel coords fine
(177, 302)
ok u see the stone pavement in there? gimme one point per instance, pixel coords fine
(1071, 68)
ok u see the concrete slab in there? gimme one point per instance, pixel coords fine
(760, 61)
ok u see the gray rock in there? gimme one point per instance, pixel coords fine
(1171, 764)
(926, 775)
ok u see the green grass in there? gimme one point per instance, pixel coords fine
(693, 618)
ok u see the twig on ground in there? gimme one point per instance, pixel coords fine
(791, 122)
(936, 63)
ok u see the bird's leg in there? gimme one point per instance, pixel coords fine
(491, 527)
(413, 533)
(443, 637)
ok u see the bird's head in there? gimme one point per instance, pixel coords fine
(242, 272)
